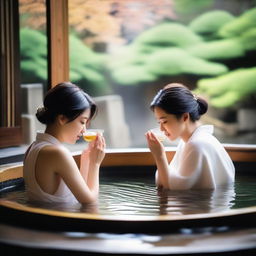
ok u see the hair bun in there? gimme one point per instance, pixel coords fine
(203, 105)
(41, 110)
(41, 114)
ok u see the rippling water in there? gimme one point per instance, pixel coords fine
(139, 196)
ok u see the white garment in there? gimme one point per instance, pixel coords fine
(34, 191)
(200, 163)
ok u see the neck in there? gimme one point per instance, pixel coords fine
(189, 130)
(53, 132)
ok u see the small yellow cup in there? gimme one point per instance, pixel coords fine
(91, 134)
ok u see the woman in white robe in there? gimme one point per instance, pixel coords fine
(50, 171)
(200, 162)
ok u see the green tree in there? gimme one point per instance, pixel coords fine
(238, 41)
(87, 67)
(161, 51)
(209, 23)
(229, 89)
(33, 52)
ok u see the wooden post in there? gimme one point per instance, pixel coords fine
(10, 104)
(58, 41)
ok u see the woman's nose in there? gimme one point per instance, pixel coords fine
(161, 127)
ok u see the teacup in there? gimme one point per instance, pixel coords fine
(91, 134)
(158, 133)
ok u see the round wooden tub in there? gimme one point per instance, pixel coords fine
(17, 219)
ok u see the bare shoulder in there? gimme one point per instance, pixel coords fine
(56, 159)
(54, 155)
(53, 150)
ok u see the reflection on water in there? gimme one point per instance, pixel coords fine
(128, 197)
(136, 196)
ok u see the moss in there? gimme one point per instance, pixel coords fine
(127, 55)
(33, 43)
(229, 89)
(210, 22)
(220, 49)
(33, 53)
(174, 61)
(239, 25)
(83, 55)
(168, 34)
(248, 39)
(87, 67)
(132, 75)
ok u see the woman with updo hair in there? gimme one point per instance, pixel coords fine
(50, 171)
(200, 161)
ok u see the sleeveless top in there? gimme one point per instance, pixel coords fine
(204, 161)
(33, 189)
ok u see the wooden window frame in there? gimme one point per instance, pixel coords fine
(58, 62)
(58, 41)
(10, 125)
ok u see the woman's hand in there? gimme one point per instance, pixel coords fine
(155, 146)
(96, 150)
(158, 152)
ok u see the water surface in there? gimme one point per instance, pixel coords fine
(124, 196)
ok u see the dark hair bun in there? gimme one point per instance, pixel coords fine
(44, 116)
(202, 106)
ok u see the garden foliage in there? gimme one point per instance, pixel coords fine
(203, 48)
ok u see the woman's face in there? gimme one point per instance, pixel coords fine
(169, 124)
(73, 130)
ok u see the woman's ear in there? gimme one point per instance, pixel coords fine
(62, 119)
(185, 117)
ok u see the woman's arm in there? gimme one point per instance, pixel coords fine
(162, 178)
(187, 171)
(158, 152)
(85, 192)
(84, 164)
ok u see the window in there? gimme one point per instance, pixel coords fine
(131, 49)
(125, 51)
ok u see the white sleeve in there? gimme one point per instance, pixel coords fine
(187, 171)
